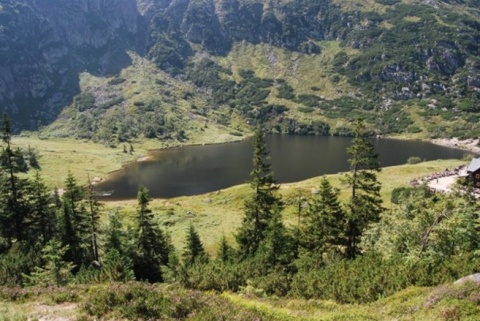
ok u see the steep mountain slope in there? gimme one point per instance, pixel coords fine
(45, 44)
(303, 66)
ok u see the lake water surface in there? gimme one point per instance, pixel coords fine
(201, 169)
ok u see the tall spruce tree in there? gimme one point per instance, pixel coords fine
(225, 251)
(193, 250)
(261, 204)
(13, 191)
(365, 204)
(324, 222)
(74, 227)
(93, 219)
(151, 249)
(114, 235)
(278, 247)
(43, 216)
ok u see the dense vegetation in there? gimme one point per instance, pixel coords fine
(351, 251)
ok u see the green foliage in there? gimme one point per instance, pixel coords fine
(278, 249)
(285, 91)
(116, 81)
(365, 205)
(43, 224)
(414, 160)
(429, 232)
(388, 2)
(365, 279)
(74, 224)
(324, 223)
(14, 208)
(193, 250)
(139, 301)
(55, 271)
(84, 102)
(15, 264)
(225, 251)
(259, 208)
(151, 247)
(308, 100)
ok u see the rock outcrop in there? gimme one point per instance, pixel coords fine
(44, 45)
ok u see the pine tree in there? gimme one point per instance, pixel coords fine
(114, 234)
(94, 217)
(32, 158)
(151, 248)
(278, 246)
(324, 222)
(224, 253)
(75, 230)
(193, 250)
(56, 271)
(260, 206)
(116, 259)
(13, 191)
(43, 216)
(365, 205)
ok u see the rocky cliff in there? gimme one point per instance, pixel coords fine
(393, 50)
(45, 44)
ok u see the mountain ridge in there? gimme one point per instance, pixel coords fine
(394, 58)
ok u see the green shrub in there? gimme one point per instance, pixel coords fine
(84, 102)
(116, 81)
(140, 301)
(365, 279)
(414, 160)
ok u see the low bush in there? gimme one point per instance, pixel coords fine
(414, 160)
(141, 301)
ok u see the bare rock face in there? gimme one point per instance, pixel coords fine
(45, 44)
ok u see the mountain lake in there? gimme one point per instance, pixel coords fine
(196, 170)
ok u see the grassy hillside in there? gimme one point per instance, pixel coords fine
(109, 302)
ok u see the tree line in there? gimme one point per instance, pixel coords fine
(350, 251)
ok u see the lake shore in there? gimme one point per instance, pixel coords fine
(470, 145)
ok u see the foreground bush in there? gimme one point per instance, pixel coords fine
(141, 301)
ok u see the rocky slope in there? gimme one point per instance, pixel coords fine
(45, 44)
(400, 64)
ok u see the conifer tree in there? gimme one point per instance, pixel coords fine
(55, 271)
(365, 205)
(278, 246)
(260, 206)
(114, 234)
(94, 217)
(14, 204)
(32, 158)
(116, 258)
(151, 249)
(224, 253)
(324, 222)
(43, 216)
(193, 250)
(75, 230)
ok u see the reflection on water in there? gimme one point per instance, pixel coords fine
(201, 169)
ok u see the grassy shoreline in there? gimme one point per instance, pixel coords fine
(214, 213)
(58, 156)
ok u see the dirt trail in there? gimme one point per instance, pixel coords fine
(58, 312)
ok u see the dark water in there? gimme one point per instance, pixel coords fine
(201, 169)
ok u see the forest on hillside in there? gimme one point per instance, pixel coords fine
(351, 251)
